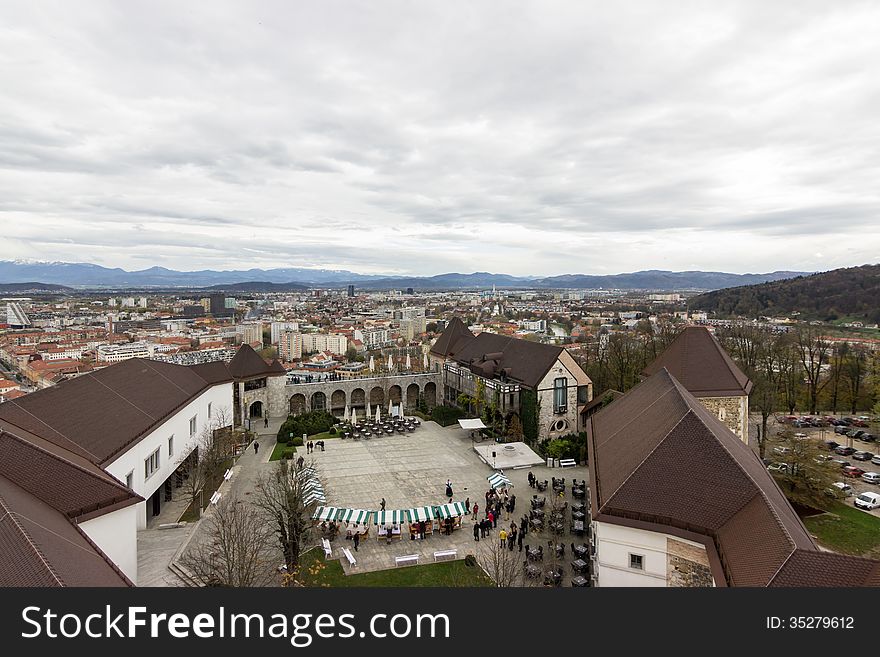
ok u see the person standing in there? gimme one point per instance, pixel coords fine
(476, 508)
(356, 538)
(266, 425)
(477, 532)
(519, 540)
(256, 447)
(382, 504)
(491, 518)
(503, 535)
(467, 505)
(511, 539)
(422, 529)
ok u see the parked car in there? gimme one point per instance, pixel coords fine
(867, 501)
(841, 429)
(876, 459)
(860, 423)
(841, 488)
(852, 471)
(868, 437)
(846, 420)
(859, 433)
(800, 435)
(843, 450)
(831, 445)
(871, 477)
(822, 459)
(841, 462)
(862, 456)
(786, 450)
(778, 467)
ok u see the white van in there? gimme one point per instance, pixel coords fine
(867, 501)
(841, 488)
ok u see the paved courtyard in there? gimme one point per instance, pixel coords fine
(411, 470)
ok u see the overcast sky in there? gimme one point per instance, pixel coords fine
(425, 137)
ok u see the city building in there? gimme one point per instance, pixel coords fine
(115, 353)
(278, 328)
(373, 337)
(250, 333)
(15, 316)
(258, 390)
(335, 343)
(290, 346)
(507, 369)
(700, 364)
(678, 500)
(350, 291)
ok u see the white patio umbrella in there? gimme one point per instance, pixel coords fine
(390, 363)
(345, 414)
(372, 364)
(369, 412)
(378, 414)
(425, 361)
(390, 406)
(408, 362)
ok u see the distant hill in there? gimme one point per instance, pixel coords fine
(259, 286)
(94, 276)
(33, 287)
(853, 292)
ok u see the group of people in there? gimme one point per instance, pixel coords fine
(534, 483)
(312, 444)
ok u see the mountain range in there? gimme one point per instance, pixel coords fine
(86, 275)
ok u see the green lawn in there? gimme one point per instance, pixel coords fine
(446, 574)
(846, 529)
(280, 447)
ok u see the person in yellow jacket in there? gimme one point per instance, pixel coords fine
(503, 536)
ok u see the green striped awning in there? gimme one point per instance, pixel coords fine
(314, 496)
(498, 480)
(420, 514)
(453, 510)
(354, 516)
(325, 513)
(389, 517)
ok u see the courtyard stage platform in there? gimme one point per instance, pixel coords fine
(507, 455)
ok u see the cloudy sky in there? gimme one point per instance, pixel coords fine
(413, 137)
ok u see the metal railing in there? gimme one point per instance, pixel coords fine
(370, 377)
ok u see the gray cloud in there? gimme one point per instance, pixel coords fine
(540, 138)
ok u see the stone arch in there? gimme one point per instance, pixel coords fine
(377, 395)
(395, 394)
(358, 398)
(298, 404)
(318, 401)
(412, 395)
(430, 394)
(256, 409)
(337, 401)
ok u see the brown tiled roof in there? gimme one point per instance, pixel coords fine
(697, 361)
(214, 372)
(658, 456)
(43, 547)
(77, 489)
(521, 361)
(247, 364)
(454, 333)
(829, 569)
(98, 415)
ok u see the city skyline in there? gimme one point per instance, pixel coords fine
(416, 140)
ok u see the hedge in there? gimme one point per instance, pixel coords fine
(307, 423)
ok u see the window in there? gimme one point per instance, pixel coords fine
(129, 479)
(192, 425)
(637, 561)
(209, 410)
(171, 446)
(560, 393)
(255, 384)
(151, 464)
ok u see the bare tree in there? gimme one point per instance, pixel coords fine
(504, 566)
(855, 366)
(813, 349)
(205, 455)
(233, 548)
(280, 494)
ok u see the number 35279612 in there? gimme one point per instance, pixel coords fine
(810, 623)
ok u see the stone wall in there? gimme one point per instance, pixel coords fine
(732, 411)
(687, 565)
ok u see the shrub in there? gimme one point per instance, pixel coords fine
(332, 431)
(446, 415)
(307, 423)
(296, 442)
(290, 443)
(288, 453)
(470, 561)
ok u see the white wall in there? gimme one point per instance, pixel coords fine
(220, 396)
(614, 544)
(116, 534)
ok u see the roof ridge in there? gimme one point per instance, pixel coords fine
(124, 398)
(30, 541)
(50, 427)
(149, 363)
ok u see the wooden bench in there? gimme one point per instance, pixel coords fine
(567, 463)
(348, 555)
(445, 555)
(326, 545)
(406, 559)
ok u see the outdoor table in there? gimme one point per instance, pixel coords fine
(577, 527)
(537, 513)
(557, 527)
(579, 506)
(553, 576)
(579, 494)
(541, 486)
(579, 581)
(538, 503)
(536, 524)
(534, 554)
(579, 566)
(532, 571)
(581, 551)
(577, 515)
(410, 428)
(560, 549)
(357, 435)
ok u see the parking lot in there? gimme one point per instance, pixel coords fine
(821, 434)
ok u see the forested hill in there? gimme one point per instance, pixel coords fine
(853, 292)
